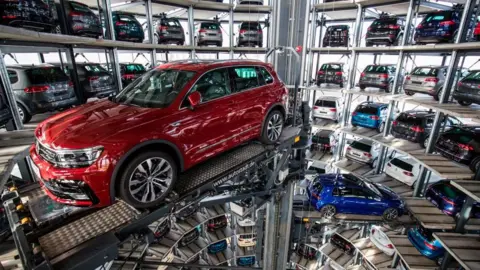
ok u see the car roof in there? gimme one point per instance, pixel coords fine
(364, 141)
(406, 159)
(336, 63)
(436, 67)
(332, 179)
(324, 133)
(373, 104)
(330, 98)
(419, 114)
(205, 65)
(24, 66)
(381, 65)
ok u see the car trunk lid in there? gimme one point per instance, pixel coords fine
(51, 81)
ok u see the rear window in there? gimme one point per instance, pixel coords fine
(462, 136)
(170, 22)
(402, 164)
(475, 75)
(134, 69)
(80, 7)
(409, 119)
(250, 26)
(366, 109)
(325, 103)
(247, 236)
(425, 72)
(383, 22)
(94, 68)
(46, 75)
(426, 233)
(376, 69)
(438, 16)
(337, 27)
(317, 185)
(336, 67)
(126, 18)
(361, 146)
(448, 190)
(210, 26)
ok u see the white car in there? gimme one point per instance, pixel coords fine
(327, 108)
(364, 151)
(407, 170)
(247, 240)
(381, 240)
(246, 223)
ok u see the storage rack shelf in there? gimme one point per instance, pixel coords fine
(313, 215)
(410, 256)
(470, 188)
(371, 253)
(463, 247)
(336, 255)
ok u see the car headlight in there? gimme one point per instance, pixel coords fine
(78, 157)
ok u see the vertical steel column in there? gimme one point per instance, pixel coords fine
(313, 32)
(230, 28)
(151, 31)
(320, 44)
(269, 255)
(41, 58)
(305, 41)
(284, 228)
(107, 10)
(260, 229)
(70, 54)
(191, 29)
(7, 89)
(113, 55)
(420, 183)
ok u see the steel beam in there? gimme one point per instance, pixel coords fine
(284, 228)
(371, 13)
(151, 31)
(305, 41)
(113, 55)
(107, 14)
(128, 5)
(313, 32)
(433, 5)
(191, 29)
(8, 91)
(269, 255)
(421, 182)
(231, 30)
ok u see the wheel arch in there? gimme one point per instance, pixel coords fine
(164, 145)
(275, 106)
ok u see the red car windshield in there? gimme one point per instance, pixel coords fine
(157, 88)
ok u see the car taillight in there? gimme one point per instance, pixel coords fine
(420, 26)
(242, 31)
(316, 196)
(93, 78)
(36, 89)
(447, 23)
(407, 173)
(349, 148)
(392, 26)
(431, 79)
(120, 23)
(354, 113)
(315, 107)
(395, 123)
(321, 73)
(373, 231)
(465, 147)
(260, 31)
(390, 246)
(460, 83)
(163, 28)
(374, 117)
(408, 78)
(9, 17)
(367, 154)
(389, 165)
(339, 73)
(75, 14)
(384, 76)
(417, 129)
(362, 74)
(430, 246)
(128, 76)
(333, 110)
(70, 83)
(202, 31)
(369, 28)
(448, 200)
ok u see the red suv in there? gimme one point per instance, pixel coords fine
(135, 145)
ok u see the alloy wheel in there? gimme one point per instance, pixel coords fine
(328, 211)
(425, 142)
(150, 179)
(391, 214)
(21, 113)
(274, 127)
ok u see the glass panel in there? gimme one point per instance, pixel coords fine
(46, 75)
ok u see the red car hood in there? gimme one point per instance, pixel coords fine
(91, 124)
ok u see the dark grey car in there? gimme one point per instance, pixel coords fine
(169, 31)
(250, 34)
(379, 76)
(95, 80)
(210, 33)
(426, 80)
(40, 89)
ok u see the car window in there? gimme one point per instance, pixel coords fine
(170, 22)
(158, 88)
(126, 18)
(343, 192)
(42, 75)
(376, 69)
(94, 68)
(13, 76)
(250, 26)
(213, 84)
(454, 121)
(402, 164)
(365, 108)
(426, 71)
(210, 26)
(474, 75)
(134, 68)
(245, 78)
(335, 67)
(438, 16)
(266, 75)
(429, 122)
(361, 146)
(385, 22)
(325, 103)
(80, 7)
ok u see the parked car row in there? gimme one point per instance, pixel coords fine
(435, 27)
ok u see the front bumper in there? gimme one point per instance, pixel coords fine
(92, 182)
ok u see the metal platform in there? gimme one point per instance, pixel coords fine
(398, 187)
(470, 188)
(313, 215)
(411, 257)
(371, 253)
(463, 247)
(354, 167)
(430, 217)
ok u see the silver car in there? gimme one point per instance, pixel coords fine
(427, 80)
(250, 34)
(210, 33)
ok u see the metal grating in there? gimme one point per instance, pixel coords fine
(206, 172)
(86, 228)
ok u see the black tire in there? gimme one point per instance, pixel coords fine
(397, 41)
(219, 44)
(318, 83)
(389, 87)
(475, 164)
(260, 45)
(368, 44)
(437, 95)
(354, 125)
(408, 93)
(341, 85)
(390, 214)
(372, 164)
(381, 127)
(123, 186)
(272, 123)
(25, 116)
(362, 87)
(424, 141)
(328, 211)
(464, 103)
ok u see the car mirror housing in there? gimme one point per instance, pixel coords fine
(194, 98)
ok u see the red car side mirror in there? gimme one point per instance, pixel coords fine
(194, 98)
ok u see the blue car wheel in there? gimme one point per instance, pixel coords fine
(390, 214)
(328, 211)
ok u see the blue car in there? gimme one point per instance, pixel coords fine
(370, 115)
(218, 247)
(449, 199)
(438, 27)
(346, 193)
(246, 261)
(425, 243)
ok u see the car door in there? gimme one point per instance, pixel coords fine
(212, 122)
(373, 203)
(251, 98)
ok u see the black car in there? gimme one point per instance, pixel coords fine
(190, 237)
(95, 80)
(81, 21)
(416, 126)
(330, 73)
(169, 31)
(468, 89)
(127, 27)
(439, 26)
(217, 223)
(40, 89)
(336, 36)
(130, 72)
(385, 30)
(342, 244)
(321, 141)
(162, 229)
(461, 144)
(5, 113)
(307, 252)
(187, 212)
(35, 15)
(380, 76)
